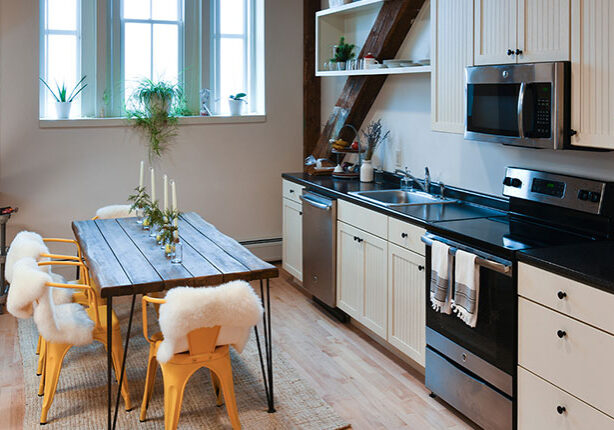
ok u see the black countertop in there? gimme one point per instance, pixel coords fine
(590, 262)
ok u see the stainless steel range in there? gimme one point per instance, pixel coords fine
(474, 369)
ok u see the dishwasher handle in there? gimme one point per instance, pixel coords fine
(305, 198)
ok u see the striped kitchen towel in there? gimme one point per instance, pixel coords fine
(466, 288)
(441, 294)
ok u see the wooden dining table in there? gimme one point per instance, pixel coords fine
(125, 261)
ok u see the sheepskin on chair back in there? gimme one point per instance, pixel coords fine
(114, 211)
(25, 244)
(61, 323)
(233, 306)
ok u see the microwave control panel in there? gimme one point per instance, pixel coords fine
(543, 110)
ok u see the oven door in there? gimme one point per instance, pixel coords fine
(493, 340)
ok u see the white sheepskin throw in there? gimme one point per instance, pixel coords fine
(61, 323)
(25, 244)
(233, 306)
(114, 211)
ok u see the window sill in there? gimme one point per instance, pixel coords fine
(125, 122)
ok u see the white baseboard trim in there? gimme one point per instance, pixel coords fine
(265, 249)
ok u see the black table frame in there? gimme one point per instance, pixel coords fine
(267, 368)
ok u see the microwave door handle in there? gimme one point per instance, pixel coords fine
(521, 94)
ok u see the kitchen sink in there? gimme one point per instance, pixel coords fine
(400, 197)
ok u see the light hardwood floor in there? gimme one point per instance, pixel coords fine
(363, 382)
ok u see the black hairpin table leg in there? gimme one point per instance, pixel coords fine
(267, 373)
(109, 359)
(123, 369)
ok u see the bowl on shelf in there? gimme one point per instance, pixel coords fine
(337, 3)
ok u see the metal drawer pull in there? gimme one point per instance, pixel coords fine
(561, 295)
(561, 333)
(480, 261)
(356, 238)
(314, 203)
(403, 235)
(561, 410)
(291, 191)
(421, 268)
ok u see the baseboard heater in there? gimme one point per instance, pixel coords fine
(265, 249)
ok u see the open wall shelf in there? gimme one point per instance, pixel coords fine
(386, 71)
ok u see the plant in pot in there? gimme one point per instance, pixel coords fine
(64, 99)
(374, 137)
(235, 102)
(155, 111)
(343, 52)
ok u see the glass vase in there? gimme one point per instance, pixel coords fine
(177, 252)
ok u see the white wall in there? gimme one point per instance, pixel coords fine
(404, 106)
(230, 174)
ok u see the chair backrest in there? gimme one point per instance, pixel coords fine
(25, 244)
(31, 294)
(114, 211)
(197, 319)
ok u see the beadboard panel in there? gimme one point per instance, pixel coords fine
(593, 73)
(495, 31)
(544, 28)
(350, 271)
(406, 302)
(452, 51)
(376, 284)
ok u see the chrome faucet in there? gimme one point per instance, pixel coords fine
(407, 179)
(427, 180)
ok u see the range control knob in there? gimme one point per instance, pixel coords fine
(595, 197)
(516, 183)
(507, 181)
(583, 195)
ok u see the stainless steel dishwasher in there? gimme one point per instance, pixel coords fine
(320, 247)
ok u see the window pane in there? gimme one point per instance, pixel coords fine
(165, 52)
(62, 14)
(137, 55)
(137, 9)
(61, 69)
(231, 69)
(232, 16)
(166, 10)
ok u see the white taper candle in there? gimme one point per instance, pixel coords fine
(141, 174)
(165, 192)
(153, 184)
(174, 192)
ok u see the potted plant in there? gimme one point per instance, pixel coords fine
(235, 102)
(374, 137)
(343, 52)
(155, 111)
(63, 99)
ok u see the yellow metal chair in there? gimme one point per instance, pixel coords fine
(53, 353)
(202, 352)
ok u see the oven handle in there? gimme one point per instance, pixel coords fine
(312, 202)
(523, 87)
(504, 269)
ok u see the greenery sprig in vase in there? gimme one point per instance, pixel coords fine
(170, 231)
(140, 200)
(154, 217)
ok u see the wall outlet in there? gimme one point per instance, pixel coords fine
(398, 158)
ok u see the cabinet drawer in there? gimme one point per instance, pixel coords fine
(291, 190)
(365, 219)
(406, 235)
(579, 362)
(580, 301)
(538, 401)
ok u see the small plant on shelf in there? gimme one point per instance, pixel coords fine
(235, 102)
(343, 52)
(63, 98)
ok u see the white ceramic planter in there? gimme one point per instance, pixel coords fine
(63, 109)
(236, 107)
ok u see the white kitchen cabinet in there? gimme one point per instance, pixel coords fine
(592, 73)
(519, 31)
(292, 242)
(451, 52)
(362, 277)
(406, 302)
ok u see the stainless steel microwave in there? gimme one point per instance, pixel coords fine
(519, 104)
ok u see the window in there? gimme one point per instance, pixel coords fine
(196, 44)
(61, 42)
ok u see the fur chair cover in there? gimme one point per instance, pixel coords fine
(59, 323)
(30, 244)
(114, 211)
(233, 306)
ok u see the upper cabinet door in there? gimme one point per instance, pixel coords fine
(544, 29)
(452, 51)
(495, 31)
(592, 57)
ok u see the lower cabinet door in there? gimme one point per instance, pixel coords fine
(542, 406)
(406, 302)
(350, 271)
(376, 283)
(293, 238)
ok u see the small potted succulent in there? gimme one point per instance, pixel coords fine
(235, 102)
(343, 52)
(64, 99)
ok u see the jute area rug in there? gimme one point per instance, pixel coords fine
(80, 401)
